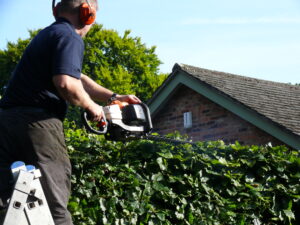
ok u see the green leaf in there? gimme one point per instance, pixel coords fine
(161, 163)
(161, 216)
(179, 215)
(167, 155)
(157, 177)
(289, 214)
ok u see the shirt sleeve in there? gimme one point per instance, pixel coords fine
(68, 56)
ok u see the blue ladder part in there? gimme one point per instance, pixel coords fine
(30, 168)
(17, 164)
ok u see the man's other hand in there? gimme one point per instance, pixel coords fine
(131, 99)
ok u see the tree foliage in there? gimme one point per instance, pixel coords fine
(11, 56)
(121, 63)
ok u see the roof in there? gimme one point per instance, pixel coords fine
(278, 103)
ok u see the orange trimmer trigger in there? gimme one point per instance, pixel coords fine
(101, 124)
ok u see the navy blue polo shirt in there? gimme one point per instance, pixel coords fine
(55, 50)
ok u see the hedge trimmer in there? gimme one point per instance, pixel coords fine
(122, 121)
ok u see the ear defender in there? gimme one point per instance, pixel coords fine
(54, 8)
(87, 13)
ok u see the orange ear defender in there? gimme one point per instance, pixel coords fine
(54, 8)
(87, 13)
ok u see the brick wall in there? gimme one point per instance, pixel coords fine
(210, 121)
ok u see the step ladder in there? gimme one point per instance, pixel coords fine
(27, 205)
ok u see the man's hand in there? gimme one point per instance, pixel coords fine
(131, 99)
(95, 112)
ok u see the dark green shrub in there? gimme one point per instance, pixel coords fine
(146, 182)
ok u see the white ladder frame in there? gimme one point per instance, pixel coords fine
(28, 204)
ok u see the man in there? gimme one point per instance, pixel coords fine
(34, 104)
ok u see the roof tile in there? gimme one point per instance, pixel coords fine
(279, 102)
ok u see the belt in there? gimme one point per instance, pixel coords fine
(24, 109)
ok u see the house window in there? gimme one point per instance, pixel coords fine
(187, 120)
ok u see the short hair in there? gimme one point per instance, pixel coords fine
(71, 6)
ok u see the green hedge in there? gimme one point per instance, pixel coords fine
(145, 182)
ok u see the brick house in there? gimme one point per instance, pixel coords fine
(210, 105)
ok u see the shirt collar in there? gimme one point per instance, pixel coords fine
(62, 19)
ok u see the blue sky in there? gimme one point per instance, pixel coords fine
(252, 38)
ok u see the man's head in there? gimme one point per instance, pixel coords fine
(85, 10)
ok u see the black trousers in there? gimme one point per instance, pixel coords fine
(36, 138)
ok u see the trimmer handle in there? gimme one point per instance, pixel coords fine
(103, 124)
(149, 126)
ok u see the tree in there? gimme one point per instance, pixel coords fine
(11, 56)
(122, 64)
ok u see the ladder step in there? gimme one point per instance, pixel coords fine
(28, 204)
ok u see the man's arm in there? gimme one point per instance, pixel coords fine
(72, 90)
(99, 93)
